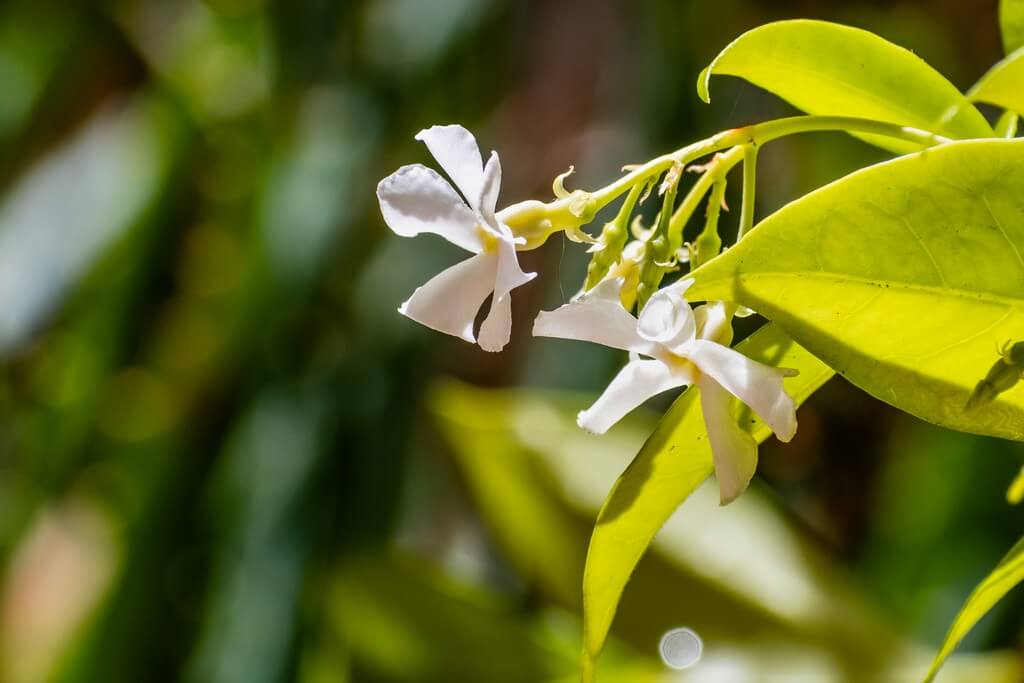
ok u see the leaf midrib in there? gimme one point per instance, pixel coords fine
(987, 297)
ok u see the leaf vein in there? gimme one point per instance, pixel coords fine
(1002, 230)
(926, 250)
(985, 297)
(985, 330)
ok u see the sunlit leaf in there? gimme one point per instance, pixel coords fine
(1011, 21)
(825, 68)
(673, 462)
(1007, 574)
(1003, 85)
(905, 277)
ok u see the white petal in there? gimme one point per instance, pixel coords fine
(449, 301)
(497, 326)
(679, 288)
(756, 384)
(456, 151)
(634, 384)
(597, 316)
(713, 324)
(488, 199)
(732, 448)
(415, 199)
(496, 329)
(667, 318)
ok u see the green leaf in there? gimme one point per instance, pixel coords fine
(671, 464)
(1003, 85)
(1011, 21)
(825, 68)
(1007, 574)
(905, 277)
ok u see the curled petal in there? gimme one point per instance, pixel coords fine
(597, 316)
(733, 449)
(489, 188)
(576, 234)
(450, 300)
(756, 384)
(497, 326)
(713, 323)
(415, 199)
(558, 186)
(667, 318)
(496, 329)
(509, 275)
(636, 382)
(456, 151)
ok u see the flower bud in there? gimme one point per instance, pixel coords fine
(535, 221)
(1003, 376)
(1014, 354)
(657, 258)
(606, 252)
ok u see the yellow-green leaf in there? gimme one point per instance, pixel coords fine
(671, 464)
(1007, 574)
(906, 277)
(1011, 21)
(826, 68)
(1003, 85)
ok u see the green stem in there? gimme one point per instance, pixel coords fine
(668, 203)
(709, 243)
(716, 168)
(759, 134)
(587, 666)
(749, 187)
(1006, 126)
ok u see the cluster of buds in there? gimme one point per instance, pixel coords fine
(670, 344)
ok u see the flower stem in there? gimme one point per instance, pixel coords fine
(749, 187)
(759, 134)
(715, 169)
(709, 243)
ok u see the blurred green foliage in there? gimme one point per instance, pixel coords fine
(224, 456)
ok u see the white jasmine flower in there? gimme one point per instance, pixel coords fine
(672, 346)
(415, 199)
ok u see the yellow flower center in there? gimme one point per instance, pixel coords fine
(488, 240)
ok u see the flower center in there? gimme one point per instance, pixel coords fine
(682, 367)
(488, 240)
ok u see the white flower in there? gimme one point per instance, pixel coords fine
(681, 347)
(415, 199)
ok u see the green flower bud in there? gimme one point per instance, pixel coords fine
(613, 239)
(607, 252)
(1014, 354)
(656, 263)
(708, 244)
(1003, 376)
(535, 221)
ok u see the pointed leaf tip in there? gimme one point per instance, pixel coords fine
(702, 84)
